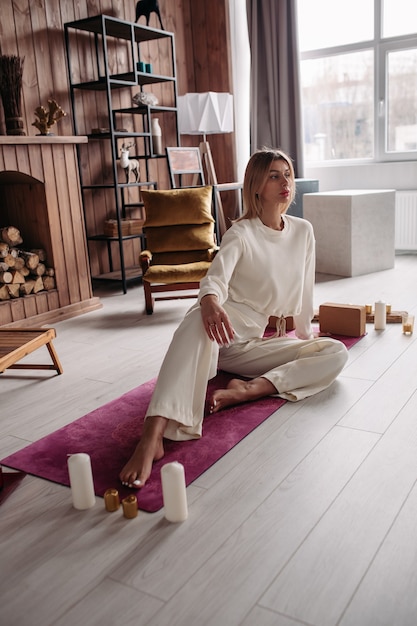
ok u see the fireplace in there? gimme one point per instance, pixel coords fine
(23, 204)
(40, 195)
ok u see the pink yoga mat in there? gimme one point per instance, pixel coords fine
(110, 433)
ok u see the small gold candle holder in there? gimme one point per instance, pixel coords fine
(388, 309)
(130, 506)
(408, 324)
(368, 309)
(111, 500)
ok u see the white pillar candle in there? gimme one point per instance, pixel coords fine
(380, 318)
(81, 481)
(174, 492)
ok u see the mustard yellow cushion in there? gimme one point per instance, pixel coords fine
(188, 256)
(185, 273)
(178, 206)
(180, 237)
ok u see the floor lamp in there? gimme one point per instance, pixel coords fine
(205, 114)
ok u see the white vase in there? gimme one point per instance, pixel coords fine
(156, 136)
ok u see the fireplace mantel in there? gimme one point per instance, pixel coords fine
(51, 204)
(41, 139)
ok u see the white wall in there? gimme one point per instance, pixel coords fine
(399, 176)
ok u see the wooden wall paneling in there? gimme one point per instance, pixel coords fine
(42, 302)
(83, 68)
(8, 36)
(95, 7)
(64, 178)
(35, 163)
(74, 197)
(54, 218)
(53, 300)
(10, 158)
(91, 107)
(58, 75)
(94, 199)
(29, 305)
(101, 204)
(131, 252)
(24, 163)
(6, 313)
(121, 9)
(120, 60)
(179, 22)
(42, 53)
(69, 12)
(34, 220)
(89, 215)
(100, 6)
(201, 61)
(17, 309)
(212, 62)
(161, 57)
(23, 29)
(219, 52)
(104, 200)
(80, 269)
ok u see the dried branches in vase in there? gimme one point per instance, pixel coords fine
(11, 72)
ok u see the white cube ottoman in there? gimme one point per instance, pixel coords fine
(354, 230)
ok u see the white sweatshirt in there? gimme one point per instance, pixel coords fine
(264, 272)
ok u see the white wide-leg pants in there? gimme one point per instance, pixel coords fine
(297, 369)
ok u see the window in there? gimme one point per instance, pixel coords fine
(359, 79)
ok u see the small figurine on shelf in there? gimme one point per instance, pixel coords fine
(144, 97)
(129, 165)
(146, 7)
(47, 118)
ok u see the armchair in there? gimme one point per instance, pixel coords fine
(180, 242)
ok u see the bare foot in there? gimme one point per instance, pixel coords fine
(149, 449)
(238, 391)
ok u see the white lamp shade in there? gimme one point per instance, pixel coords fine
(205, 113)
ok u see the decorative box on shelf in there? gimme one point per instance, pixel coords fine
(129, 227)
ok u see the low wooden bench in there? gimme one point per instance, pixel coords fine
(18, 343)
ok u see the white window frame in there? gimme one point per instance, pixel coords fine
(381, 47)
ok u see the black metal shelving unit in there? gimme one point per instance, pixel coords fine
(103, 35)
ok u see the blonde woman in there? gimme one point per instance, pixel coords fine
(265, 267)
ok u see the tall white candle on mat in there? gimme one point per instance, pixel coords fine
(174, 492)
(81, 481)
(380, 319)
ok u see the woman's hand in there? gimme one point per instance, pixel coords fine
(216, 321)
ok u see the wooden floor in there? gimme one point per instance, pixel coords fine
(312, 519)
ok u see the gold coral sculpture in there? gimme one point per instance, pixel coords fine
(47, 118)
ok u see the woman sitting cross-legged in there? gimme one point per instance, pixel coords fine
(265, 267)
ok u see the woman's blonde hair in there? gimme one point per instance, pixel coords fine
(256, 175)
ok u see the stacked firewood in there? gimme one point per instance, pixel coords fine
(22, 272)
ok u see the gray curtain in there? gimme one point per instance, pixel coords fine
(276, 119)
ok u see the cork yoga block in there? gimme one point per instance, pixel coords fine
(342, 319)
